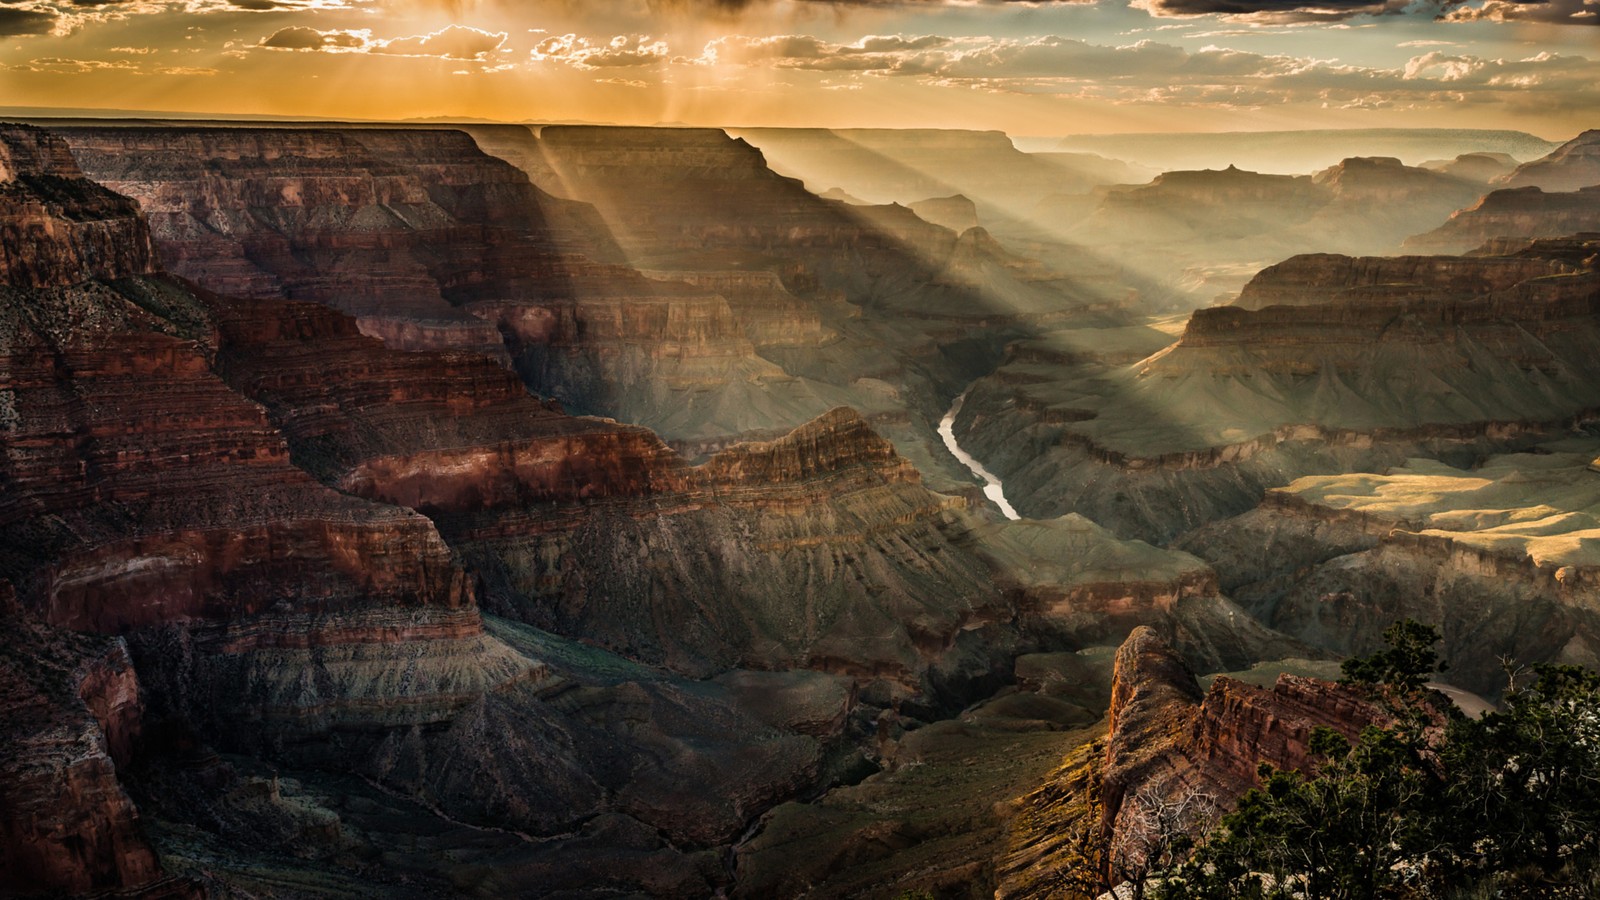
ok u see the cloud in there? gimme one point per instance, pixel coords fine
(1149, 72)
(623, 50)
(1277, 11)
(1554, 12)
(299, 37)
(25, 21)
(737, 6)
(450, 42)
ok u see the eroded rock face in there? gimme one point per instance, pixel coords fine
(1333, 279)
(292, 524)
(71, 716)
(1570, 167)
(400, 228)
(1526, 213)
(56, 226)
(1209, 230)
(1168, 740)
(274, 616)
(1328, 364)
(1494, 555)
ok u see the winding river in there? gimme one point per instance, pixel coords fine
(991, 485)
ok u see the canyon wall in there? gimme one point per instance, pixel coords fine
(1171, 751)
(1328, 364)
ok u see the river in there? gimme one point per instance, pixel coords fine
(991, 485)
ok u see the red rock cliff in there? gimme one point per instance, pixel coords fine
(56, 226)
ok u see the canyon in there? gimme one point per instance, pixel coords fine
(585, 511)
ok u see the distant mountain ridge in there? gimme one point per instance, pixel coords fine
(1297, 152)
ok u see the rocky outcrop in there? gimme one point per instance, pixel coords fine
(400, 228)
(908, 165)
(276, 618)
(1495, 555)
(955, 212)
(1572, 166)
(1526, 213)
(1418, 280)
(1170, 751)
(1483, 168)
(431, 244)
(71, 716)
(56, 226)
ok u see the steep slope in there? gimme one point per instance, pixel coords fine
(291, 524)
(127, 508)
(1572, 166)
(1330, 364)
(902, 166)
(1554, 195)
(271, 616)
(1483, 168)
(884, 312)
(430, 243)
(1171, 752)
(71, 715)
(1513, 213)
(1499, 555)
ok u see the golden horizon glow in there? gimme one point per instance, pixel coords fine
(1027, 69)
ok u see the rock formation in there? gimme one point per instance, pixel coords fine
(290, 525)
(1167, 741)
(56, 227)
(1572, 166)
(71, 716)
(955, 212)
(1329, 364)
(1513, 213)
(1496, 555)
(1483, 168)
(907, 165)
(1555, 195)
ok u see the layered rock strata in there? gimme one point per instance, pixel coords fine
(1526, 213)
(1328, 364)
(274, 616)
(1497, 555)
(71, 716)
(1570, 167)
(1167, 742)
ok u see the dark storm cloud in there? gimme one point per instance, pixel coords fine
(25, 21)
(1293, 11)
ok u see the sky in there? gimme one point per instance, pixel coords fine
(1028, 68)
